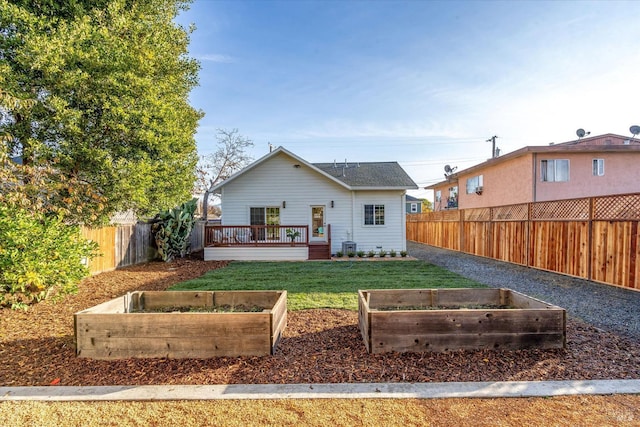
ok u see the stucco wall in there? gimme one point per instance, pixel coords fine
(621, 175)
(506, 183)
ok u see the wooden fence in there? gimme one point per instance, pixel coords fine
(592, 238)
(124, 245)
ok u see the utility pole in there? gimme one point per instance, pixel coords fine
(493, 146)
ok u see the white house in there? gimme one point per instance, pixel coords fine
(282, 207)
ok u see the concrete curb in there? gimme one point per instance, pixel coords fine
(322, 391)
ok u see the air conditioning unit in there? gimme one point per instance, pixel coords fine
(479, 190)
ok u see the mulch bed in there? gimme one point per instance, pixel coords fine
(319, 346)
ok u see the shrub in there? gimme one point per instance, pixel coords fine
(360, 254)
(371, 254)
(403, 254)
(392, 253)
(351, 254)
(382, 253)
(40, 257)
(172, 228)
(339, 254)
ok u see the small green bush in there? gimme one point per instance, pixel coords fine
(403, 254)
(40, 257)
(382, 253)
(339, 254)
(360, 254)
(392, 253)
(371, 254)
(351, 254)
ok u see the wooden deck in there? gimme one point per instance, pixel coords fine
(274, 241)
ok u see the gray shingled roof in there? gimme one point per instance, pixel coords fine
(371, 174)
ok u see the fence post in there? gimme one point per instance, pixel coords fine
(590, 238)
(461, 225)
(528, 236)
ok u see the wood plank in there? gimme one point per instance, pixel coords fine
(116, 305)
(399, 297)
(151, 300)
(172, 324)
(260, 298)
(177, 347)
(444, 343)
(464, 296)
(520, 300)
(465, 322)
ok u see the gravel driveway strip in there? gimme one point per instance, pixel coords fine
(606, 307)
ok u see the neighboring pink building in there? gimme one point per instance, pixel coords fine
(596, 166)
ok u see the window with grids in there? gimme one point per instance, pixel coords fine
(554, 170)
(265, 216)
(598, 167)
(373, 214)
(414, 207)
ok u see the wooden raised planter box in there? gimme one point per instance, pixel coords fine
(441, 320)
(132, 326)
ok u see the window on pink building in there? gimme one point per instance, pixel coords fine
(554, 170)
(598, 167)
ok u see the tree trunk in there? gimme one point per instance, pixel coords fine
(205, 205)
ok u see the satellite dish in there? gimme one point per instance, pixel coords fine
(635, 129)
(447, 168)
(580, 132)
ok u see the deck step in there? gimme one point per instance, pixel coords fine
(319, 251)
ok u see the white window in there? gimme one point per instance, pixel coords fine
(554, 170)
(598, 167)
(474, 184)
(438, 195)
(414, 207)
(373, 214)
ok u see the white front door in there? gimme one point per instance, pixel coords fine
(318, 226)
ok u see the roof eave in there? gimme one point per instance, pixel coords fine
(412, 187)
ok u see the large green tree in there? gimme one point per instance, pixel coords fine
(108, 84)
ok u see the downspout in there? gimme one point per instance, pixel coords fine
(353, 212)
(403, 219)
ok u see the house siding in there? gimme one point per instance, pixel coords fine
(386, 236)
(278, 180)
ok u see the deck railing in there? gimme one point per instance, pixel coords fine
(256, 235)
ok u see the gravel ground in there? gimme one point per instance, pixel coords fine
(606, 307)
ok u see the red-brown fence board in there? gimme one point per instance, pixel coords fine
(616, 250)
(509, 241)
(594, 238)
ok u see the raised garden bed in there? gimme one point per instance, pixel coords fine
(184, 324)
(440, 320)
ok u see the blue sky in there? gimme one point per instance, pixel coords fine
(424, 83)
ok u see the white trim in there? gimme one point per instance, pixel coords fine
(248, 253)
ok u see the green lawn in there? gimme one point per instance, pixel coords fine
(326, 284)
